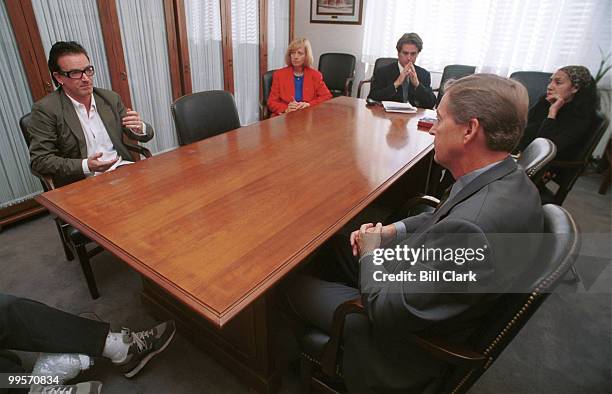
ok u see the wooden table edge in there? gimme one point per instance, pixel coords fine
(219, 319)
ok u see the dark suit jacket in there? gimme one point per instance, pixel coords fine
(570, 130)
(378, 353)
(383, 90)
(58, 145)
(314, 90)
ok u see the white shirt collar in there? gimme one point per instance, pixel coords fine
(80, 105)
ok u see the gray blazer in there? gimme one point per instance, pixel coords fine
(58, 145)
(500, 200)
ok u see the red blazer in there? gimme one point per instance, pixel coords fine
(314, 90)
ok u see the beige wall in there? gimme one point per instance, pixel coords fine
(326, 37)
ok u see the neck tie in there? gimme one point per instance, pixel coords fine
(405, 89)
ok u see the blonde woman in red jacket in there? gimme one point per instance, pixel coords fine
(298, 85)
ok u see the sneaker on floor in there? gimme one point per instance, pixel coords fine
(79, 388)
(144, 345)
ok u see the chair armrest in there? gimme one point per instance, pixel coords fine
(425, 200)
(347, 86)
(139, 149)
(264, 112)
(329, 357)
(46, 180)
(456, 354)
(361, 84)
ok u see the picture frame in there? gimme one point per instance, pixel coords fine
(346, 12)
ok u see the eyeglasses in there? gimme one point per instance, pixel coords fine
(78, 74)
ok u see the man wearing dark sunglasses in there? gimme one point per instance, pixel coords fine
(77, 130)
(404, 81)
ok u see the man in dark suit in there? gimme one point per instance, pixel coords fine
(480, 121)
(404, 81)
(77, 130)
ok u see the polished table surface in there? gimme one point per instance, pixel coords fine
(218, 222)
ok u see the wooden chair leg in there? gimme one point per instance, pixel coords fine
(86, 267)
(63, 238)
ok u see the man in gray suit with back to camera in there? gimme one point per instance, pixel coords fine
(480, 121)
(404, 81)
(77, 130)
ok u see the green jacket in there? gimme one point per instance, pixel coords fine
(57, 141)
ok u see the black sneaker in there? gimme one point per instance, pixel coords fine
(144, 345)
(79, 388)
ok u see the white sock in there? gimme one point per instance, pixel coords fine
(114, 347)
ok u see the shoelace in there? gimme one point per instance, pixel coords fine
(57, 390)
(140, 338)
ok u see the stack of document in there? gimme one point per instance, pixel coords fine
(393, 106)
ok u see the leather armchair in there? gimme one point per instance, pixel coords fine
(321, 353)
(338, 71)
(567, 171)
(202, 115)
(73, 241)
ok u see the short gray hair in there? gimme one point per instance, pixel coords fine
(499, 104)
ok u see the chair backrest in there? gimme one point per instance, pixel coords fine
(453, 71)
(511, 311)
(24, 123)
(204, 114)
(380, 62)
(336, 69)
(383, 61)
(266, 85)
(534, 81)
(536, 157)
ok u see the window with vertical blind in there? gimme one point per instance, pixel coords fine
(245, 43)
(278, 32)
(496, 36)
(17, 183)
(74, 20)
(143, 35)
(205, 44)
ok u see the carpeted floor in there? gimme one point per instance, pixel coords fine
(565, 348)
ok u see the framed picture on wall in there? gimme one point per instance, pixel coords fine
(336, 11)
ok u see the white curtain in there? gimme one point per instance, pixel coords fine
(496, 36)
(143, 34)
(16, 181)
(204, 41)
(245, 44)
(278, 32)
(74, 20)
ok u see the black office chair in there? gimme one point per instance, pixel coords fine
(321, 353)
(73, 241)
(535, 82)
(566, 172)
(204, 114)
(452, 71)
(338, 71)
(536, 158)
(266, 86)
(380, 62)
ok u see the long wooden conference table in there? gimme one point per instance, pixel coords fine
(215, 225)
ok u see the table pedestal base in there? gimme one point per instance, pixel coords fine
(243, 345)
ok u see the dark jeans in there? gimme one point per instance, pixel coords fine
(30, 326)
